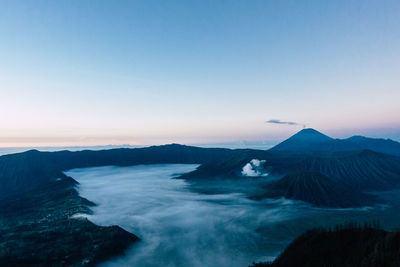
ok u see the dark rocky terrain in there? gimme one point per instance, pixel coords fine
(344, 246)
(37, 229)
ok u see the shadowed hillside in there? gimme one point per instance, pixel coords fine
(37, 229)
(341, 247)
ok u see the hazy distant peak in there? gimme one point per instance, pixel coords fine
(364, 138)
(312, 140)
(310, 134)
(355, 137)
(33, 151)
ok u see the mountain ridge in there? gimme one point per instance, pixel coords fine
(313, 140)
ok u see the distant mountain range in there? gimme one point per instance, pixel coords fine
(312, 140)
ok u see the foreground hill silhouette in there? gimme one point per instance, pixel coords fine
(345, 246)
(312, 140)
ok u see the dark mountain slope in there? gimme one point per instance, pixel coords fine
(312, 141)
(359, 169)
(317, 189)
(342, 247)
(306, 140)
(387, 146)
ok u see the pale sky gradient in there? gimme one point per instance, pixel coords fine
(153, 72)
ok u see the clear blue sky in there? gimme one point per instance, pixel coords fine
(143, 72)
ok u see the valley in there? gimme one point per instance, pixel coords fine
(89, 207)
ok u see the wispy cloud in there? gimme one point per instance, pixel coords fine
(274, 121)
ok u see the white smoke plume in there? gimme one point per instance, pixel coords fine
(254, 168)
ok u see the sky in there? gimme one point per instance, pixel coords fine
(196, 72)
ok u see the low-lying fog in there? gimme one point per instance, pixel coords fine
(180, 227)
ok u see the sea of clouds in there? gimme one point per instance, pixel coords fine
(179, 227)
(182, 227)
